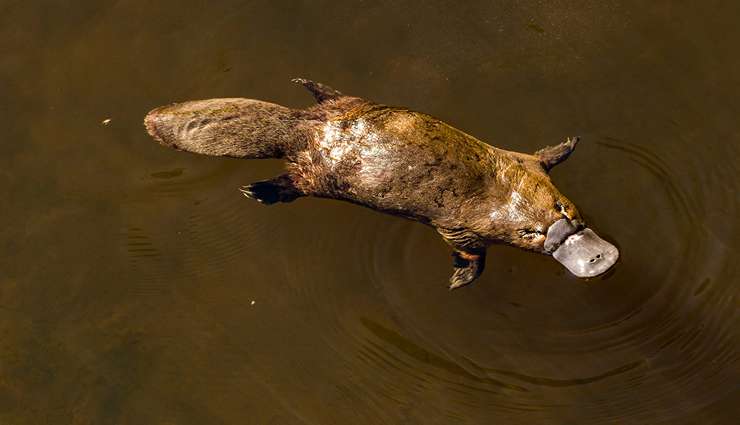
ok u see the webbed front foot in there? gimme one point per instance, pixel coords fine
(468, 266)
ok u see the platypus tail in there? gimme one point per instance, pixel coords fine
(241, 128)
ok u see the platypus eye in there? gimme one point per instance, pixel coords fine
(561, 208)
(530, 233)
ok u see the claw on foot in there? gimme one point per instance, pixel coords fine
(279, 189)
(246, 192)
(467, 268)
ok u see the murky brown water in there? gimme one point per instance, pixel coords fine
(137, 286)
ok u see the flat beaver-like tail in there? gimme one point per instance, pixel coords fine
(241, 128)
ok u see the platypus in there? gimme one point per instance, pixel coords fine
(399, 162)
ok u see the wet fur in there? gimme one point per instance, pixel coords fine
(387, 158)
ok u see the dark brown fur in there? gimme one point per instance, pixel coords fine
(387, 158)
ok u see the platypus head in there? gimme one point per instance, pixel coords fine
(531, 213)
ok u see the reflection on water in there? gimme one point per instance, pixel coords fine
(138, 286)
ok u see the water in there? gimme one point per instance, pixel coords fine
(138, 286)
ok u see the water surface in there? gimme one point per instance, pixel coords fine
(138, 286)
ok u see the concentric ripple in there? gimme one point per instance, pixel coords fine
(319, 288)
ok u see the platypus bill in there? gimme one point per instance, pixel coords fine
(399, 162)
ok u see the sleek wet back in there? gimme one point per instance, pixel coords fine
(392, 160)
(137, 285)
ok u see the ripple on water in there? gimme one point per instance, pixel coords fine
(365, 293)
(666, 349)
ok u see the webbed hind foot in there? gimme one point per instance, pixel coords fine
(279, 189)
(321, 92)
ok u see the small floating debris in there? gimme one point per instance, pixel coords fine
(106, 121)
(536, 28)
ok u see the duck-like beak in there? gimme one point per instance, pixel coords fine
(582, 252)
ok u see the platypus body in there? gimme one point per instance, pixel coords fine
(399, 162)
